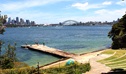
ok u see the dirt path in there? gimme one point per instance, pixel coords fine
(96, 67)
(85, 57)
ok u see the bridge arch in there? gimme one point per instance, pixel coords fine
(70, 22)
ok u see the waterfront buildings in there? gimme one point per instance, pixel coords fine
(19, 21)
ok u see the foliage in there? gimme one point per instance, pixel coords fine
(25, 70)
(8, 58)
(7, 63)
(118, 34)
(2, 21)
(20, 65)
(71, 69)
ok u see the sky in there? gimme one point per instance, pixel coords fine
(55, 11)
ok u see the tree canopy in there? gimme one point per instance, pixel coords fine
(2, 21)
(118, 34)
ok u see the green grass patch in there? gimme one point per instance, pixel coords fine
(59, 65)
(118, 60)
(118, 54)
(109, 51)
(107, 59)
(71, 69)
(118, 65)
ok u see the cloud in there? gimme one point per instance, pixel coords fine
(110, 14)
(102, 11)
(23, 4)
(80, 5)
(107, 3)
(85, 6)
(122, 3)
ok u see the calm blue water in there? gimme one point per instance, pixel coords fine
(75, 39)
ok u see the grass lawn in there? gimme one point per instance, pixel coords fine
(118, 60)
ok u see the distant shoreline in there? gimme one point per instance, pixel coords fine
(9, 26)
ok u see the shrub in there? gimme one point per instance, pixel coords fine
(118, 34)
(25, 70)
(70, 69)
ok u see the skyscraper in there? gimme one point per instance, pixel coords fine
(14, 22)
(27, 22)
(22, 21)
(32, 22)
(9, 20)
(17, 20)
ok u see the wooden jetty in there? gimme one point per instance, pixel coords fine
(49, 50)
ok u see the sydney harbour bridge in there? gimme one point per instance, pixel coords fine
(69, 22)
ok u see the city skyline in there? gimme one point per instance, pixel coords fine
(19, 21)
(55, 11)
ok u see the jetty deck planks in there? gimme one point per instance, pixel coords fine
(49, 50)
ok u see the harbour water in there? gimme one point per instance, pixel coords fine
(74, 39)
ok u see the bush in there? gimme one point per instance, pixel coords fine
(8, 58)
(7, 63)
(118, 34)
(71, 69)
(20, 65)
(25, 70)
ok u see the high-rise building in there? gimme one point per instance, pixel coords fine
(9, 20)
(17, 20)
(27, 22)
(22, 21)
(32, 22)
(13, 21)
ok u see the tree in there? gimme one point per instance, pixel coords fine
(118, 34)
(2, 21)
(9, 57)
